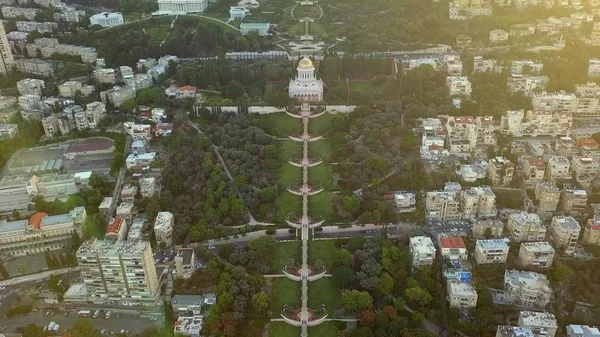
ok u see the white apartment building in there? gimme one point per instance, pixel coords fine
(105, 76)
(118, 272)
(34, 67)
(525, 226)
(594, 68)
(106, 19)
(237, 13)
(9, 12)
(527, 289)
(500, 171)
(536, 254)
(482, 65)
(561, 102)
(591, 231)
(405, 202)
(140, 161)
(566, 146)
(117, 95)
(128, 193)
(69, 88)
(69, 15)
(138, 131)
(135, 231)
(498, 35)
(453, 248)
(533, 171)
(584, 170)
(478, 203)
(574, 201)
(586, 102)
(139, 146)
(40, 27)
(542, 324)
(185, 263)
(548, 196)
(30, 86)
(8, 131)
(443, 205)
(147, 187)
(163, 227)
(558, 169)
(145, 64)
(461, 295)
(50, 125)
(422, 251)
(535, 123)
(527, 85)
(127, 211)
(105, 206)
(564, 231)
(458, 86)
(182, 6)
(517, 67)
(491, 251)
(189, 326)
(6, 56)
(452, 65)
(582, 331)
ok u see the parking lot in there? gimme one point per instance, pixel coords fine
(164, 256)
(65, 319)
(90, 162)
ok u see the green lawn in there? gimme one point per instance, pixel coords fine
(284, 291)
(288, 203)
(327, 329)
(306, 11)
(323, 291)
(282, 329)
(289, 174)
(289, 149)
(280, 124)
(321, 125)
(321, 250)
(321, 174)
(320, 149)
(285, 251)
(322, 203)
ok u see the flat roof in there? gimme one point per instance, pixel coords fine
(492, 244)
(13, 226)
(452, 242)
(57, 219)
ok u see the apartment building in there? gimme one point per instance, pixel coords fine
(591, 232)
(135, 232)
(422, 251)
(527, 85)
(30, 86)
(574, 201)
(145, 64)
(461, 295)
(39, 234)
(491, 251)
(513, 331)
(533, 171)
(478, 202)
(542, 324)
(525, 67)
(558, 169)
(405, 202)
(140, 161)
(564, 231)
(560, 102)
(584, 170)
(147, 187)
(185, 263)
(69, 88)
(453, 248)
(9, 12)
(582, 331)
(535, 123)
(594, 68)
(69, 15)
(117, 95)
(586, 102)
(106, 19)
(482, 65)
(548, 196)
(500, 171)
(6, 55)
(105, 206)
(128, 193)
(50, 125)
(163, 228)
(40, 27)
(523, 226)
(117, 229)
(34, 67)
(527, 289)
(8, 131)
(487, 229)
(108, 76)
(118, 272)
(536, 254)
(588, 148)
(565, 146)
(458, 86)
(461, 130)
(498, 35)
(127, 211)
(443, 205)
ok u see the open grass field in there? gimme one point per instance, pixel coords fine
(323, 291)
(285, 251)
(320, 149)
(321, 174)
(322, 204)
(289, 149)
(306, 12)
(288, 203)
(289, 174)
(321, 250)
(282, 329)
(284, 291)
(321, 125)
(279, 124)
(327, 329)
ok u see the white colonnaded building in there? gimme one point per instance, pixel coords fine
(306, 87)
(181, 6)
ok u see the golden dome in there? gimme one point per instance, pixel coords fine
(305, 63)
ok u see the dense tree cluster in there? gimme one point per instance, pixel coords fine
(255, 257)
(29, 134)
(353, 66)
(195, 187)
